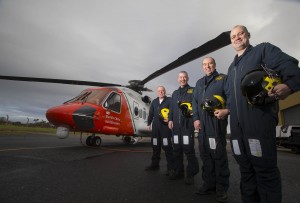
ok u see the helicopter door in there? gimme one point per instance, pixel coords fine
(113, 102)
(112, 120)
(140, 119)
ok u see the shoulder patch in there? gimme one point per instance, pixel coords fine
(190, 91)
(219, 77)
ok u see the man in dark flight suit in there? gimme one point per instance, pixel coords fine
(253, 126)
(181, 121)
(209, 97)
(161, 134)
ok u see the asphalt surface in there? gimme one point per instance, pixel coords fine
(43, 168)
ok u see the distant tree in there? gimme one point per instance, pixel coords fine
(2, 120)
(42, 123)
(17, 123)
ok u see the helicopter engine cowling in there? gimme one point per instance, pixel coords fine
(62, 132)
(146, 99)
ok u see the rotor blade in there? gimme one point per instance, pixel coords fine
(221, 41)
(60, 81)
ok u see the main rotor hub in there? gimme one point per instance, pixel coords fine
(137, 86)
(135, 83)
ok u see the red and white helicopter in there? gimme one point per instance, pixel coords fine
(113, 109)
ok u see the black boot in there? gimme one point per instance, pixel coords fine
(173, 175)
(205, 191)
(152, 167)
(221, 196)
(189, 180)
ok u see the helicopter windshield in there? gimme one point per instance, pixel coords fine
(90, 96)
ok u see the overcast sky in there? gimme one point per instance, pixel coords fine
(116, 40)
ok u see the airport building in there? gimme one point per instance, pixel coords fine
(289, 110)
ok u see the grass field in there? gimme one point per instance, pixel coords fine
(20, 129)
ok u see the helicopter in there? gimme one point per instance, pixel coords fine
(113, 109)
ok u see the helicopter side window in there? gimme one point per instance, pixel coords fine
(136, 111)
(140, 113)
(113, 102)
(144, 115)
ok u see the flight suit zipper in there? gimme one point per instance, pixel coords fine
(235, 94)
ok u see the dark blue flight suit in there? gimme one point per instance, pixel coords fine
(253, 136)
(212, 136)
(161, 134)
(183, 133)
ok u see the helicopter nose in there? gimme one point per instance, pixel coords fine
(60, 116)
(73, 116)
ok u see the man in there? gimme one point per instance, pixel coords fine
(209, 97)
(181, 121)
(161, 134)
(253, 126)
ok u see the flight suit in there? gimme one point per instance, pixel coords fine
(183, 133)
(253, 136)
(212, 135)
(161, 134)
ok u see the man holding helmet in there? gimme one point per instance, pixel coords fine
(209, 98)
(161, 134)
(253, 119)
(181, 122)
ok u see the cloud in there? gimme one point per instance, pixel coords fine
(116, 41)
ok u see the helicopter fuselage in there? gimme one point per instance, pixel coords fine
(103, 110)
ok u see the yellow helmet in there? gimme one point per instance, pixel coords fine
(164, 112)
(256, 84)
(213, 103)
(186, 108)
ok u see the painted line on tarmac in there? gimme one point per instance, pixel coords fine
(125, 150)
(104, 148)
(33, 148)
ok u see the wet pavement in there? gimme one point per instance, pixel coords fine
(43, 168)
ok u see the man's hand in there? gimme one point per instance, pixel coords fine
(170, 124)
(280, 91)
(197, 125)
(221, 113)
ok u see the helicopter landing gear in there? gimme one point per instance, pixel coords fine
(93, 141)
(130, 140)
(127, 139)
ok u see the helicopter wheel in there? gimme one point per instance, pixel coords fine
(96, 141)
(127, 139)
(89, 141)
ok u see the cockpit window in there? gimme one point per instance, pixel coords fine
(78, 97)
(113, 102)
(91, 96)
(97, 96)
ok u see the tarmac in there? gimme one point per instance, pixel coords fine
(43, 168)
